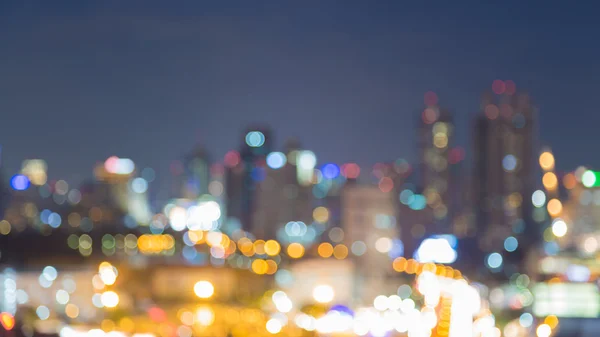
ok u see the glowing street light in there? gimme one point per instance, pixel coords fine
(204, 289)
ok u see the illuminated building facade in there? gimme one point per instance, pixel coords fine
(503, 174)
(280, 198)
(371, 235)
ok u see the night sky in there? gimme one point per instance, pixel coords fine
(83, 80)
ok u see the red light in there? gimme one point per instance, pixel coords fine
(232, 158)
(491, 111)
(498, 87)
(430, 98)
(429, 116)
(351, 170)
(386, 184)
(157, 314)
(7, 320)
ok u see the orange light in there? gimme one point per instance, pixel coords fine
(547, 161)
(399, 264)
(340, 251)
(295, 250)
(550, 181)
(325, 249)
(552, 321)
(554, 207)
(569, 181)
(272, 247)
(7, 320)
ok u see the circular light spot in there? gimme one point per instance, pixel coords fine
(511, 244)
(509, 162)
(295, 250)
(383, 245)
(139, 185)
(323, 293)
(547, 161)
(538, 198)
(588, 179)
(325, 249)
(554, 207)
(276, 160)
(273, 326)
(20, 182)
(204, 289)
(494, 261)
(559, 228)
(255, 139)
(358, 248)
(109, 299)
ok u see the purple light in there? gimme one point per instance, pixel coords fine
(19, 182)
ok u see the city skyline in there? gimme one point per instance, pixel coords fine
(192, 78)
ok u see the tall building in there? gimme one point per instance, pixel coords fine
(279, 197)
(503, 171)
(435, 132)
(197, 174)
(244, 169)
(370, 232)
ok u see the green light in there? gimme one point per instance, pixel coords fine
(590, 178)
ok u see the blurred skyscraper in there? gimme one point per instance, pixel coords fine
(435, 135)
(197, 173)
(244, 169)
(503, 170)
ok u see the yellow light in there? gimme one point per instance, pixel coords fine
(295, 250)
(72, 310)
(272, 247)
(321, 214)
(107, 325)
(554, 207)
(543, 330)
(325, 249)
(109, 299)
(260, 266)
(204, 289)
(108, 273)
(205, 316)
(340, 252)
(547, 161)
(259, 247)
(550, 181)
(126, 324)
(552, 321)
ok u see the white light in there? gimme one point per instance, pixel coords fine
(273, 326)
(62, 296)
(139, 185)
(203, 216)
(394, 302)
(109, 299)
(588, 179)
(559, 228)
(323, 293)
(538, 198)
(42, 312)
(307, 160)
(383, 245)
(50, 273)
(205, 316)
(436, 251)
(381, 303)
(204, 289)
(543, 330)
(177, 218)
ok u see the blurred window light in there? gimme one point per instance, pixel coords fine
(276, 160)
(436, 250)
(509, 163)
(511, 244)
(20, 182)
(494, 261)
(538, 198)
(255, 139)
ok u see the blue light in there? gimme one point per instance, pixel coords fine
(418, 203)
(255, 139)
(397, 249)
(258, 174)
(342, 309)
(511, 244)
(20, 182)
(407, 197)
(276, 160)
(45, 215)
(509, 162)
(526, 320)
(330, 171)
(494, 261)
(54, 220)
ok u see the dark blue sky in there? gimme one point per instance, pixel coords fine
(83, 80)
